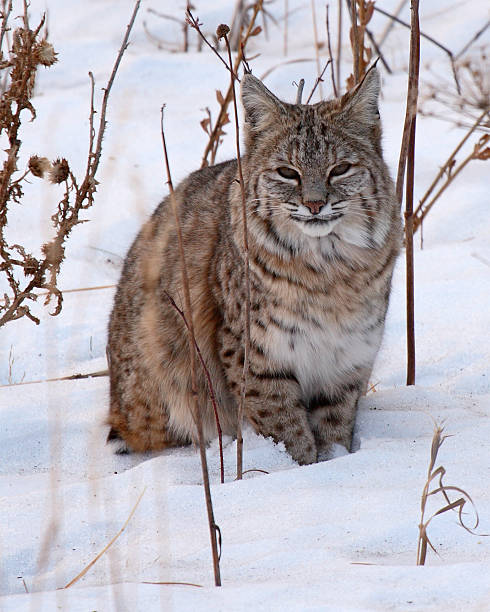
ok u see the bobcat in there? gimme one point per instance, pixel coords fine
(324, 233)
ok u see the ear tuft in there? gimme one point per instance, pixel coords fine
(261, 106)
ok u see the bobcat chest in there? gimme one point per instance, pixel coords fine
(321, 354)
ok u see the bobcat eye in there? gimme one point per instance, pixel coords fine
(340, 169)
(288, 173)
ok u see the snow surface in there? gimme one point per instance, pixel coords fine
(339, 535)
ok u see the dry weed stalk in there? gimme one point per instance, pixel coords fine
(26, 54)
(361, 12)
(459, 504)
(223, 30)
(215, 131)
(450, 170)
(407, 160)
(214, 531)
(212, 394)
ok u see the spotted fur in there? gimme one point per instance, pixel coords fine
(324, 233)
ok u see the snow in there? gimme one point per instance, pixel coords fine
(339, 535)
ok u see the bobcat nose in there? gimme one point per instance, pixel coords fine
(314, 206)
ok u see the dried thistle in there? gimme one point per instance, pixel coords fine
(26, 54)
(39, 166)
(44, 53)
(60, 171)
(222, 30)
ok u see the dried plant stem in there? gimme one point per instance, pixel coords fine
(67, 215)
(430, 39)
(407, 154)
(340, 5)
(213, 528)
(299, 93)
(434, 473)
(241, 406)
(318, 80)
(212, 394)
(194, 23)
(356, 50)
(106, 548)
(211, 147)
(286, 18)
(334, 84)
(451, 173)
(317, 46)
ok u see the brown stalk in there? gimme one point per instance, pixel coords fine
(223, 114)
(450, 171)
(407, 154)
(334, 84)
(339, 38)
(213, 528)
(194, 23)
(212, 394)
(356, 51)
(241, 407)
(317, 46)
(286, 16)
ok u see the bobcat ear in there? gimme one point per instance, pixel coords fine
(362, 101)
(261, 106)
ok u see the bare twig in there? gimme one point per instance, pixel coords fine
(318, 80)
(246, 358)
(286, 17)
(340, 5)
(472, 40)
(450, 171)
(299, 93)
(317, 45)
(334, 84)
(211, 147)
(194, 23)
(430, 39)
(212, 394)
(213, 527)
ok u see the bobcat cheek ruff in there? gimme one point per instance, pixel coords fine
(324, 232)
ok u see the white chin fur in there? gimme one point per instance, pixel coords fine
(318, 230)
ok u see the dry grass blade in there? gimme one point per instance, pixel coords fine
(199, 586)
(106, 548)
(438, 474)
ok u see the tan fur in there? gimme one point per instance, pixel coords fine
(322, 248)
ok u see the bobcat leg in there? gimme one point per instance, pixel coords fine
(332, 418)
(274, 408)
